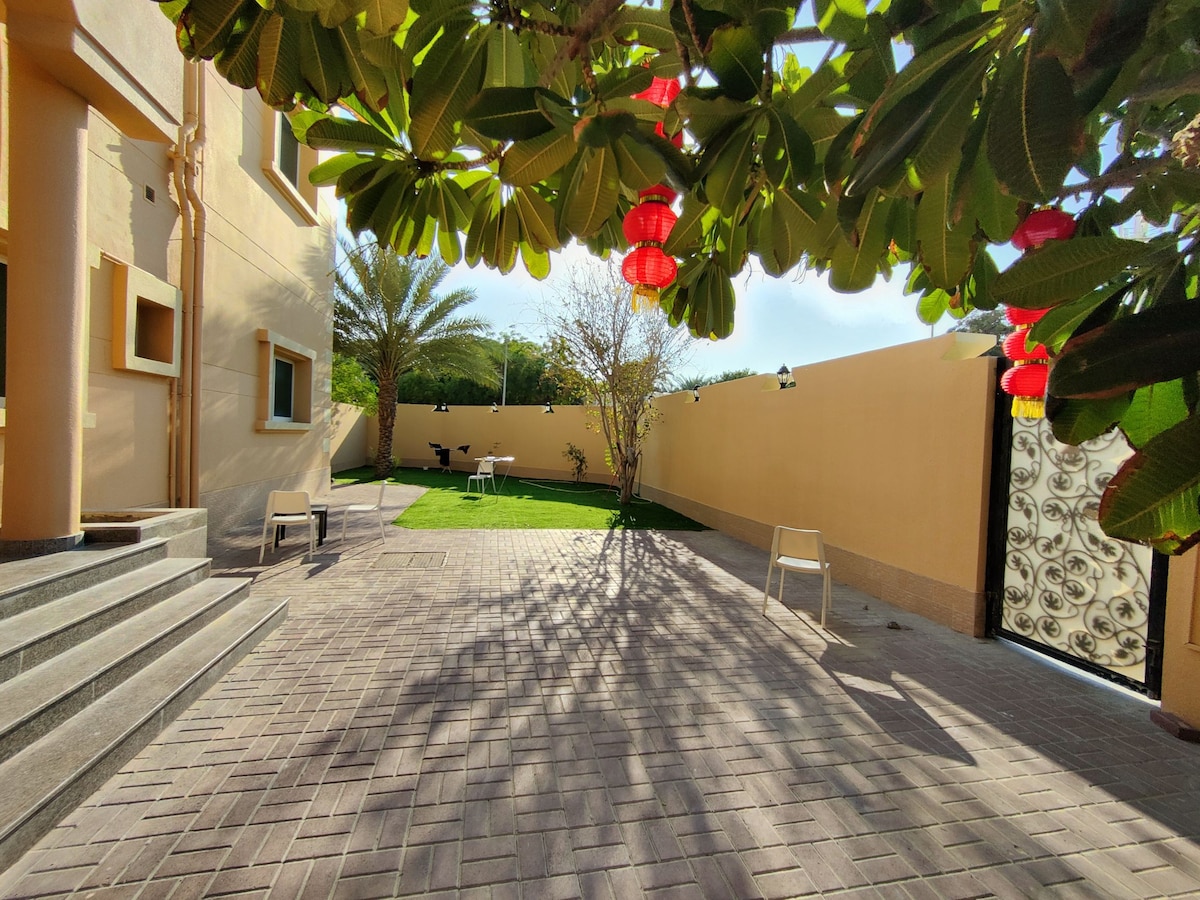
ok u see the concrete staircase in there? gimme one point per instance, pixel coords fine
(100, 648)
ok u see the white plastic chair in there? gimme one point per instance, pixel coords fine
(797, 550)
(288, 508)
(483, 474)
(377, 507)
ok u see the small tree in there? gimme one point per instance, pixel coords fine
(351, 384)
(616, 356)
(687, 382)
(985, 321)
(578, 460)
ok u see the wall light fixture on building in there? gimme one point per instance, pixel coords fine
(785, 378)
(549, 408)
(696, 393)
(441, 407)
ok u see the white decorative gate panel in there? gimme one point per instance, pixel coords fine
(1067, 585)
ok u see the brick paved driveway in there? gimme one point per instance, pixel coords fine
(582, 714)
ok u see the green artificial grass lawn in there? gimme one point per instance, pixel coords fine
(521, 504)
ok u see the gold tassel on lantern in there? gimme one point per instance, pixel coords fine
(645, 298)
(1028, 407)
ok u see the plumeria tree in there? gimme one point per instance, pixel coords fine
(897, 138)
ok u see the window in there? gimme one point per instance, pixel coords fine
(286, 163)
(289, 154)
(285, 395)
(146, 322)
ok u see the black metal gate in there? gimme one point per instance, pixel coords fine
(1056, 582)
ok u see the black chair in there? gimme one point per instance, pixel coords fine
(443, 453)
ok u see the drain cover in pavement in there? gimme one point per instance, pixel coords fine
(432, 560)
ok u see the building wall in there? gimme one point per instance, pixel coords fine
(267, 268)
(126, 441)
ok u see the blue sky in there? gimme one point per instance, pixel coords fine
(793, 321)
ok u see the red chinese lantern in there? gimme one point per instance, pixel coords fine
(648, 224)
(1043, 225)
(1026, 380)
(1014, 348)
(1027, 384)
(652, 219)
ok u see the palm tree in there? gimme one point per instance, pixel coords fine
(388, 317)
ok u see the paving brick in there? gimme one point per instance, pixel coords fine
(543, 717)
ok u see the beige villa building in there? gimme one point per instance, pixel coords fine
(166, 272)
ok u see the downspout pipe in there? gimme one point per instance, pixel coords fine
(192, 174)
(181, 390)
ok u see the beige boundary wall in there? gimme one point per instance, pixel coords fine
(887, 453)
(534, 438)
(348, 437)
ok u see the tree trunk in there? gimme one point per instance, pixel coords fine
(628, 474)
(627, 465)
(387, 421)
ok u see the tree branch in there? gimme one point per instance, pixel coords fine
(581, 35)
(690, 17)
(463, 165)
(810, 35)
(1126, 176)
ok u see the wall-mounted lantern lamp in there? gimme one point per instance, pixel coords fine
(441, 407)
(785, 377)
(549, 408)
(696, 393)
(495, 408)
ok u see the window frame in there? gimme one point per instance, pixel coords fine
(275, 347)
(301, 195)
(131, 285)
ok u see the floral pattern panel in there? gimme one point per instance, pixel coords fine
(1066, 584)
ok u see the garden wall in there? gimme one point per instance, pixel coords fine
(535, 438)
(888, 453)
(348, 430)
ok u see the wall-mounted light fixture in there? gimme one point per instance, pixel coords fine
(696, 393)
(785, 378)
(549, 408)
(441, 407)
(495, 408)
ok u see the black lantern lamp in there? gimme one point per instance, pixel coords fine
(785, 377)
(549, 408)
(441, 407)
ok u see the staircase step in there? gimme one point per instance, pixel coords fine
(37, 700)
(36, 635)
(28, 583)
(49, 778)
